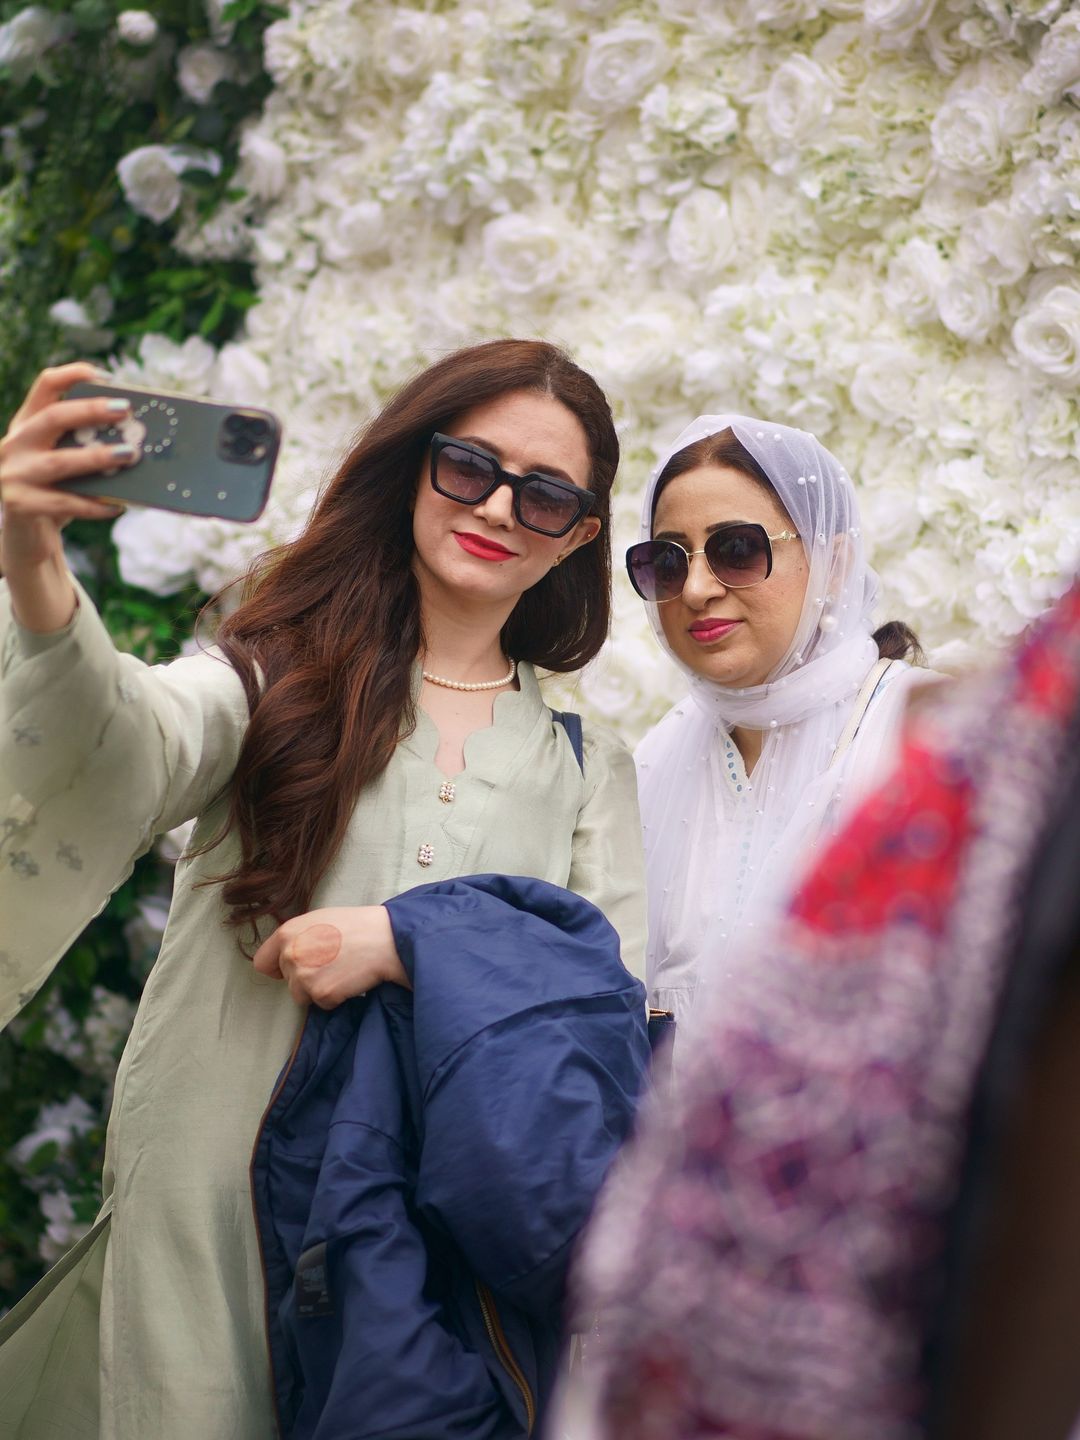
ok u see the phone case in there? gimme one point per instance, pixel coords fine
(198, 457)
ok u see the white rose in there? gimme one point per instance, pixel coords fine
(798, 98)
(888, 385)
(408, 44)
(843, 55)
(968, 306)
(916, 274)
(622, 63)
(137, 27)
(1047, 334)
(150, 176)
(966, 135)
(701, 236)
(782, 14)
(524, 254)
(150, 182)
(356, 230)
(26, 37)
(1056, 71)
(997, 245)
(897, 20)
(199, 68)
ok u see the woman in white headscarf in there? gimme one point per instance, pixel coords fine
(753, 569)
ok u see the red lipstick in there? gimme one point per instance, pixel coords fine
(482, 548)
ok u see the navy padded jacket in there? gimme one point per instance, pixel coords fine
(428, 1159)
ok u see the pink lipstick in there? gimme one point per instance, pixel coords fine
(480, 547)
(707, 632)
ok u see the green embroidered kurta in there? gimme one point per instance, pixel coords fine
(153, 1325)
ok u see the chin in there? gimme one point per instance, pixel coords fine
(726, 670)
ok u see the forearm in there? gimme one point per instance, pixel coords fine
(43, 599)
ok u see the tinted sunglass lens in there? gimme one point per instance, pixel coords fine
(657, 569)
(463, 474)
(547, 507)
(738, 555)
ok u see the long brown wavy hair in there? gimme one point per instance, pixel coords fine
(329, 627)
(894, 639)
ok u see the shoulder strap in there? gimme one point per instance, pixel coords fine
(571, 723)
(862, 704)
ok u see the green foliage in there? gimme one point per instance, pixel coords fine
(67, 231)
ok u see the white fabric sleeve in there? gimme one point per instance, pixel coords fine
(98, 754)
(608, 866)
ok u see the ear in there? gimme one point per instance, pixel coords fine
(583, 532)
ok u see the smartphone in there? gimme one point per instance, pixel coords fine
(196, 456)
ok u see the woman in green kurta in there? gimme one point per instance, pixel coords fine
(361, 727)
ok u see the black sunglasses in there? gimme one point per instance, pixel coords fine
(543, 503)
(738, 555)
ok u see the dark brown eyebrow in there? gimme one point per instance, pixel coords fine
(532, 469)
(679, 537)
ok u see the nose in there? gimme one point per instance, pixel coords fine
(498, 508)
(701, 584)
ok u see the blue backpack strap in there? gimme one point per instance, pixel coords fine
(571, 723)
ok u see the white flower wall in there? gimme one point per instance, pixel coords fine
(862, 219)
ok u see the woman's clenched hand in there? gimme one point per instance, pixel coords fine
(327, 956)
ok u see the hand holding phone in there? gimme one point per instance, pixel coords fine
(196, 457)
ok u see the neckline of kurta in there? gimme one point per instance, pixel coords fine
(514, 714)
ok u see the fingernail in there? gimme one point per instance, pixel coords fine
(116, 406)
(123, 452)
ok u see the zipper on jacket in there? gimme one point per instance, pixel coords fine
(282, 1078)
(493, 1326)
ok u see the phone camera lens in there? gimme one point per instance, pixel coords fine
(244, 438)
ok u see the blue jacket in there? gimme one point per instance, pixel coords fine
(428, 1159)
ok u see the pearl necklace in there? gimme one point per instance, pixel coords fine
(507, 679)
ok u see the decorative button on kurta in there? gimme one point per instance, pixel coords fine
(425, 855)
(447, 791)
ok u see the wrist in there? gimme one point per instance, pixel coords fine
(43, 598)
(389, 961)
